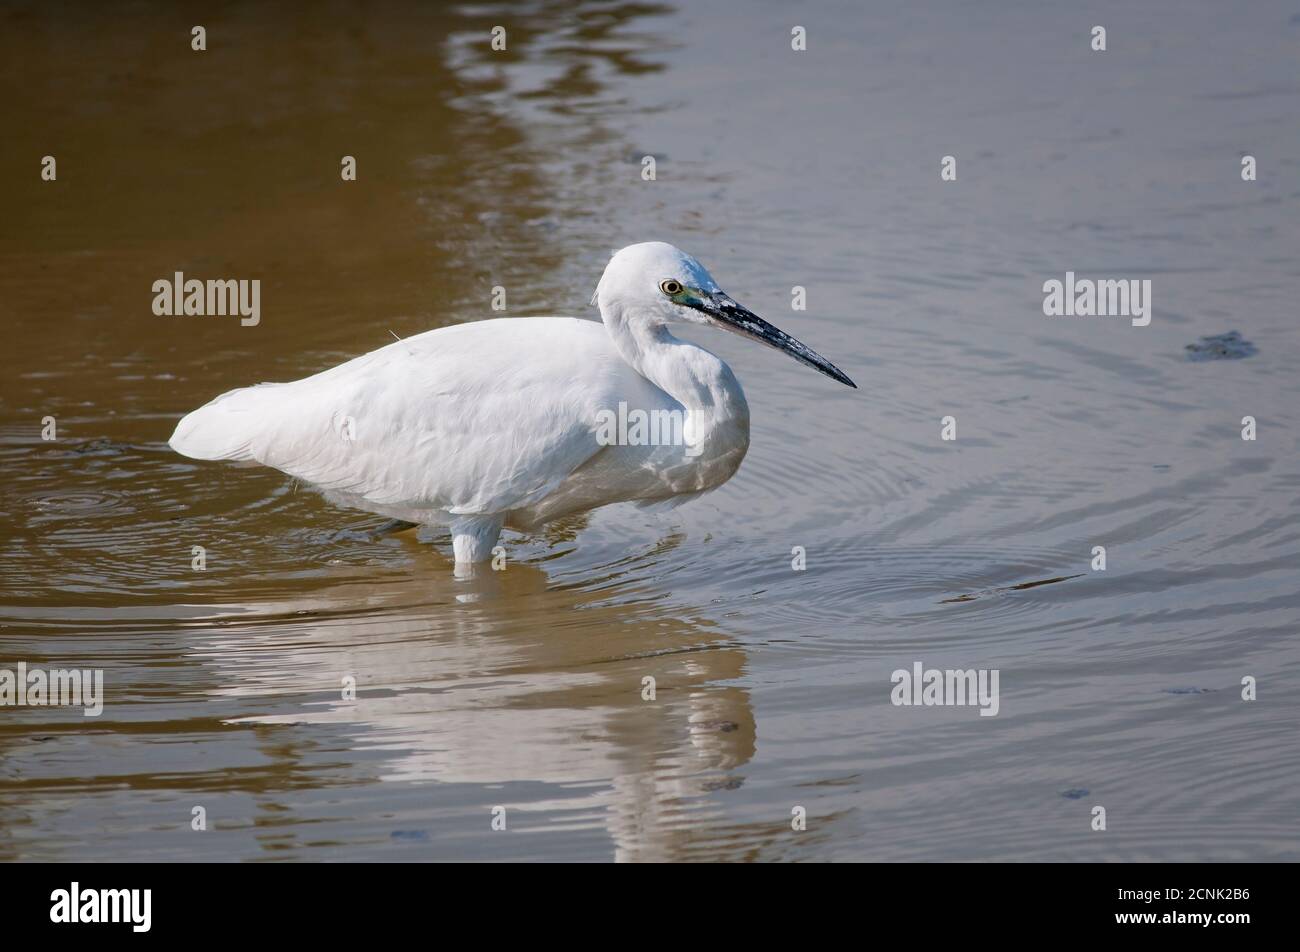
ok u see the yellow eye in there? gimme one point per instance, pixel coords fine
(671, 287)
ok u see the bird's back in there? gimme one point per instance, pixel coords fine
(474, 418)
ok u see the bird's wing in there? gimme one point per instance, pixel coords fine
(475, 418)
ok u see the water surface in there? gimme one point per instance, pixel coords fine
(523, 688)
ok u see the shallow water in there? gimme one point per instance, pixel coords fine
(523, 689)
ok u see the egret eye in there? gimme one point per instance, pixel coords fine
(671, 287)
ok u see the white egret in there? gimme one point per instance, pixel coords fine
(506, 422)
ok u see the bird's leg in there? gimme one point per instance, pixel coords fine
(473, 537)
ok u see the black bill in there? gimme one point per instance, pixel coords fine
(730, 315)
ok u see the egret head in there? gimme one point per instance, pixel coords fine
(664, 283)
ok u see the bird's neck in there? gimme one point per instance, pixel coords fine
(692, 376)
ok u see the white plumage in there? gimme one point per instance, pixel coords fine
(504, 422)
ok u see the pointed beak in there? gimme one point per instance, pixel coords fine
(729, 315)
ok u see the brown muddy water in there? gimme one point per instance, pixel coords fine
(522, 689)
